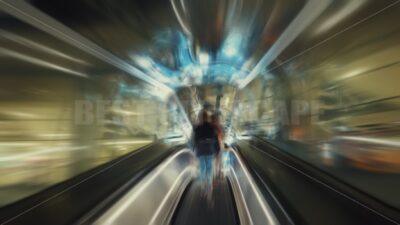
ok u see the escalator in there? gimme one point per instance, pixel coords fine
(194, 209)
(262, 186)
(309, 195)
(171, 194)
(81, 199)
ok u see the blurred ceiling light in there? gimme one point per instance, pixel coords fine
(160, 76)
(180, 14)
(31, 44)
(159, 92)
(307, 15)
(346, 11)
(126, 112)
(156, 71)
(204, 58)
(230, 51)
(371, 140)
(232, 44)
(19, 115)
(351, 74)
(117, 142)
(39, 62)
(55, 135)
(24, 11)
(19, 144)
(144, 62)
(44, 152)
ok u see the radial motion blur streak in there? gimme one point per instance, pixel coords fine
(103, 95)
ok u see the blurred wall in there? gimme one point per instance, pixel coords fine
(63, 112)
(332, 97)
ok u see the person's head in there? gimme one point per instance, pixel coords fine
(208, 106)
(204, 117)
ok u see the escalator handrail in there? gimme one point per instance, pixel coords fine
(68, 201)
(252, 206)
(323, 178)
(154, 198)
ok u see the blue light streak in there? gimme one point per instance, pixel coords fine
(172, 61)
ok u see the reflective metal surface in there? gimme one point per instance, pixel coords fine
(154, 199)
(251, 205)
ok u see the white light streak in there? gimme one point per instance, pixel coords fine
(39, 62)
(204, 58)
(141, 188)
(307, 15)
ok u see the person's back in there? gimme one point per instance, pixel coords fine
(205, 138)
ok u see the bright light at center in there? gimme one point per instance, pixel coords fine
(144, 62)
(230, 51)
(204, 58)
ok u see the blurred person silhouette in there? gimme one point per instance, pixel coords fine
(219, 145)
(205, 145)
(207, 106)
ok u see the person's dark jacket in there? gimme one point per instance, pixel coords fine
(205, 139)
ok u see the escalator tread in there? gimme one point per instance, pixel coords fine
(194, 209)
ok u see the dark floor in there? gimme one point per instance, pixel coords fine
(307, 201)
(195, 210)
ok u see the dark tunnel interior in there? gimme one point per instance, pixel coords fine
(99, 100)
